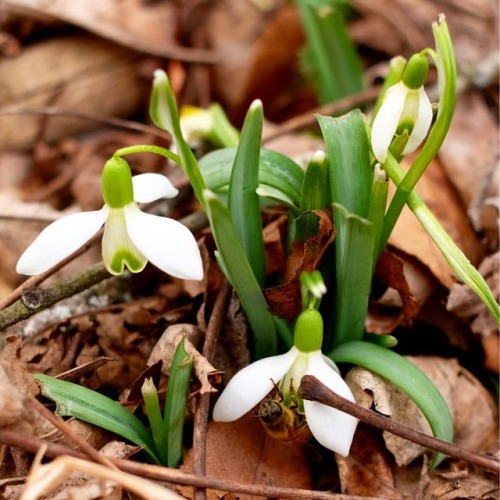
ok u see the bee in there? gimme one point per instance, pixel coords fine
(281, 422)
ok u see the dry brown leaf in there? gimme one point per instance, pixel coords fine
(390, 271)
(165, 348)
(472, 407)
(472, 26)
(80, 74)
(285, 300)
(243, 452)
(258, 53)
(145, 26)
(366, 471)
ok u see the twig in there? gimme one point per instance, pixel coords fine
(60, 424)
(33, 444)
(202, 409)
(106, 120)
(308, 118)
(35, 299)
(312, 389)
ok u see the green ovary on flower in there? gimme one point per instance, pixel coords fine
(117, 187)
(118, 250)
(308, 333)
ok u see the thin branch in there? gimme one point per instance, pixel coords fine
(312, 389)
(33, 444)
(36, 299)
(105, 120)
(202, 409)
(308, 118)
(61, 424)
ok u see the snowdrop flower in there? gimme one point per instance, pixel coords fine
(196, 124)
(332, 428)
(406, 108)
(131, 237)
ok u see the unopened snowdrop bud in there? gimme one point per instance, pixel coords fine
(406, 109)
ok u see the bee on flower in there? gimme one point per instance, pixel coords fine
(332, 428)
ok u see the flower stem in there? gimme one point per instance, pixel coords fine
(147, 148)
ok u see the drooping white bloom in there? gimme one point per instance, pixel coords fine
(332, 428)
(406, 107)
(131, 237)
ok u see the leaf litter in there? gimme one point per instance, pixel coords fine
(111, 333)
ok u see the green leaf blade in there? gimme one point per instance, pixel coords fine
(411, 380)
(97, 409)
(239, 273)
(243, 200)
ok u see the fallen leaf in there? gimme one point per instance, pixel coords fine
(77, 73)
(440, 197)
(366, 471)
(473, 410)
(148, 27)
(285, 300)
(243, 452)
(165, 348)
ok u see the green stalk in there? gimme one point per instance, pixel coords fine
(462, 267)
(378, 202)
(330, 51)
(175, 405)
(146, 148)
(165, 115)
(411, 380)
(152, 404)
(447, 74)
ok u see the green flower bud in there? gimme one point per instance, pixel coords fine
(117, 188)
(308, 334)
(416, 70)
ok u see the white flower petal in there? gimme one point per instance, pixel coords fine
(387, 119)
(332, 428)
(250, 385)
(422, 123)
(330, 363)
(166, 243)
(152, 187)
(60, 239)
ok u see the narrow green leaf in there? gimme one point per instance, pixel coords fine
(353, 264)
(175, 405)
(276, 171)
(315, 195)
(241, 277)
(411, 380)
(243, 200)
(90, 406)
(153, 412)
(351, 178)
(348, 157)
(331, 55)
